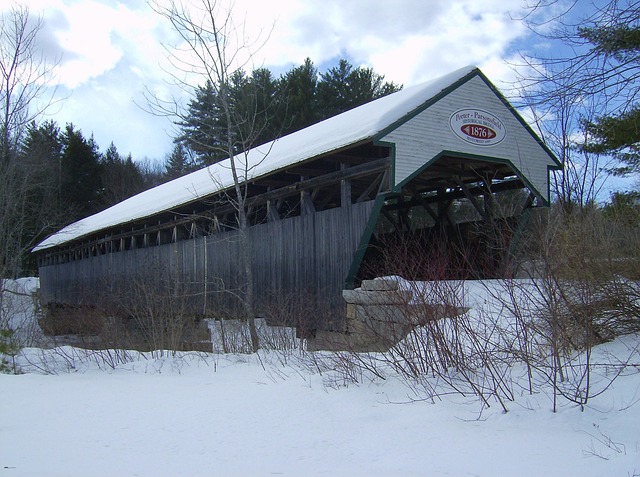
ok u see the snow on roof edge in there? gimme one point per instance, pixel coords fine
(345, 129)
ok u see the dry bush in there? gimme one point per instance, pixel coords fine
(159, 316)
(229, 335)
(149, 314)
(292, 318)
(579, 294)
(583, 269)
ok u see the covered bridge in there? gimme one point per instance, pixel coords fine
(323, 203)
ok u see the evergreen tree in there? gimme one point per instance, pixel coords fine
(334, 90)
(81, 185)
(262, 104)
(36, 172)
(263, 108)
(120, 177)
(298, 88)
(59, 177)
(178, 163)
(343, 88)
(253, 111)
(41, 155)
(42, 149)
(617, 134)
(588, 87)
(202, 125)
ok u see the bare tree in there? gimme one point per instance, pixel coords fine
(591, 72)
(586, 69)
(24, 77)
(212, 49)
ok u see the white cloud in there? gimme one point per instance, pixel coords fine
(409, 41)
(113, 50)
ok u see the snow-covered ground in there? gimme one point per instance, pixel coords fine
(72, 414)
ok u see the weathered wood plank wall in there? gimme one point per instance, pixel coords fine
(307, 254)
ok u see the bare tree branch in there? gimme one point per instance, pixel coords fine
(212, 48)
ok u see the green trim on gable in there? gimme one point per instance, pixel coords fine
(521, 120)
(377, 139)
(412, 114)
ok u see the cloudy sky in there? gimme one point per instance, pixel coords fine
(110, 51)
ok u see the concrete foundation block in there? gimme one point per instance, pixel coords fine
(383, 313)
(361, 340)
(364, 297)
(379, 318)
(379, 285)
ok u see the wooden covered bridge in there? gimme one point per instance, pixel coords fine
(323, 203)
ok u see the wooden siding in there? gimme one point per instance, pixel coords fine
(304, 254)
(423, 137)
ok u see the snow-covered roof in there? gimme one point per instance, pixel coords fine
(346, 129)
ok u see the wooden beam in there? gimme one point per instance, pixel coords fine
(425, 205)
(459, 194)
(377, 182)
(345, 188)
(391, 219)
(307, 171)
(306, 203)
(362, 170)
(272, 211)
(403, 215)
(348, 158)
(472, 199)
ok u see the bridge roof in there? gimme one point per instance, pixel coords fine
(350, 128)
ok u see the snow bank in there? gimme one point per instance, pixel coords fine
(247, 415)
(83, 413)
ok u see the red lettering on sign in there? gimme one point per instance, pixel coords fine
(477, 131)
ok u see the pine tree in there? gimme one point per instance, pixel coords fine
(590, 85)
(617, 41)
(178, 162)
(254, 114)
(42, 149)
(38, 169)
(298, 89)
(120, 177)
(262, 104)
(253, 108)
(263, 108)
(81, 185)
(41, 155)
(334, 90)
(202, 125)
(618, 136)
(343, 88)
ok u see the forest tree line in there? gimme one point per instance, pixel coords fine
(265, 107)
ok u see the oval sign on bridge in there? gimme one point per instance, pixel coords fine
(477, 127)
